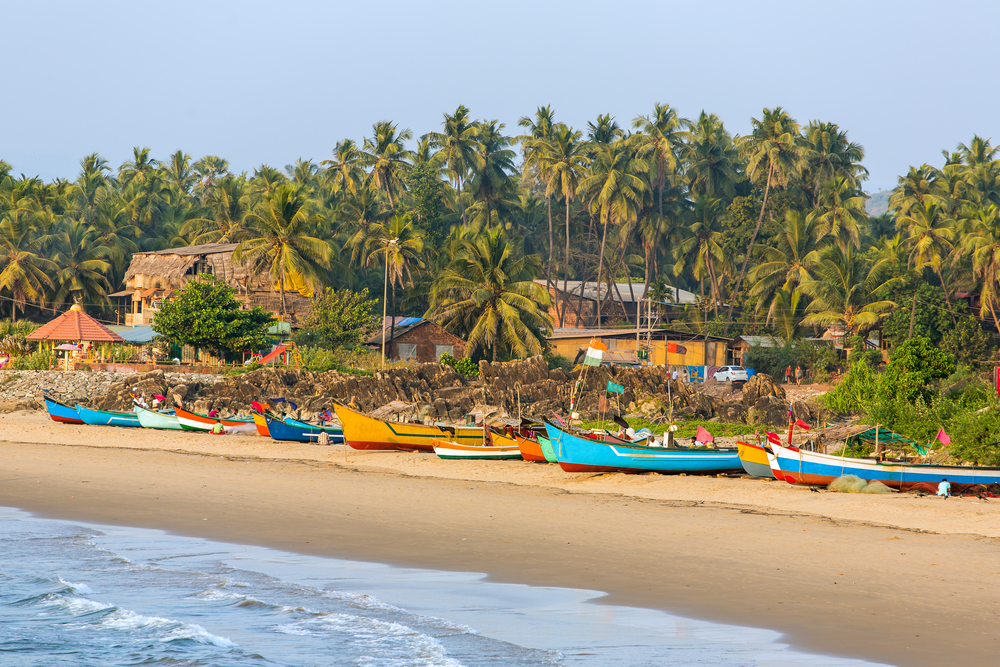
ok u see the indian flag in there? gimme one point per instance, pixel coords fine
(595, 353)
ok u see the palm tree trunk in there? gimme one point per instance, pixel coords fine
(548, 268)
(562, 317)
(461, 205)
(739, 281)
(947, 300)
(392, 314)
(600, 268)
(583, 284)
(284, 311)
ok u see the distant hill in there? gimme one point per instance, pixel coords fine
(878, 202)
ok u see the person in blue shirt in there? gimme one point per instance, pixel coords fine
(944, 488)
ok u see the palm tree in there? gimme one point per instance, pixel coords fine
(982, 245)
(179, 173)
(661, 138)
(919, 186)
(281, 242)
(703, 245)
(847, 290)
(979, 151)
(229, 202)
(931, 237)
(489, 291)
(139, 168)
(492, 167)
(24, 274)
(457, 142)
(713, 163)
(565, 163)
(788, 262)
(81, 276)
(828, 154)
(771, 150)
(358, 216)
(399, 244)
(841, 210)
(787, 310)
(615, 189)
(386, 156)
(604, 131)
(535, 167)
(208, 170)
(344, 174)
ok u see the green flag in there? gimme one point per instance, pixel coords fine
(615, 388)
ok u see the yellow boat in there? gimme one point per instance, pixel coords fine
(754, 460)
(364, 432)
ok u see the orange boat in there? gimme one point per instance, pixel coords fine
(530, 449)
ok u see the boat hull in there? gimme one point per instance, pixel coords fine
(283, 431)
(453, 450)
(813, 468)
(261, 424)
(366, 433)
(576, 454)
(530, 449)
(754, 460)
(546, 446)
(157, 420)
(106, 418)
(192, 421)
(62, 413)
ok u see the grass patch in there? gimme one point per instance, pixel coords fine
(685, 429)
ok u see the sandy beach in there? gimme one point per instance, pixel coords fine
(897, 579)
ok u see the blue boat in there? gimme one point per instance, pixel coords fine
(576, 454)
(106, 418)
(301, 432)
(61, 412)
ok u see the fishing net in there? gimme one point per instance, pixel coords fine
(848, 484)
(876, 486)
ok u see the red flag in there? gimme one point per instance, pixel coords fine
(801, 424)
(602, 403)
(259, 407)
(703, 435)
(943, 437)
(773, 438)
(559, 419)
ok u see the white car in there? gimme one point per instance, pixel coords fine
(731, 374)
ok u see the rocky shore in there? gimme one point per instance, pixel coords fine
(519, 388)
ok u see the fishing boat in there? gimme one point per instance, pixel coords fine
(192, 421)
(364, 432)
(283, 429)
(799, 466)
(260, 423)
(453, 450)
(529, 448)
(153, 419)
(754, 460)
(108, 418)
(61, 412)
(546, 446)
(579, 454)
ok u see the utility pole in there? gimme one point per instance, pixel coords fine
(385, 295)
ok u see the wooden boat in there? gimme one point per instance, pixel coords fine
(812, 468)
(192, 421)
(161, 420)
(546, 446)
(453, 450)
(754, 460)
(364, 432)
(577, 454)
(60, 412)
(281, 429)
(107, 418)
(260, 423)
(529, 448)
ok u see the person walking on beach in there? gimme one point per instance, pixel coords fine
(944, 488)
(788, 374)
(799, 373)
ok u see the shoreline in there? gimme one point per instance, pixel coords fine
(811, 566)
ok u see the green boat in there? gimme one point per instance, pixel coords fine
(161, 420)
(546, 445)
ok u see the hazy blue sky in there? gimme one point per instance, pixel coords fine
(268, 82)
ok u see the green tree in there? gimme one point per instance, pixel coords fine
(339, 318)
(207, 315)
(388, 159)
(457, 143)
(915, 364)
(24, 274)
(848, 290)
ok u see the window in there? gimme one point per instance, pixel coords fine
(407, 350)
(443, 349)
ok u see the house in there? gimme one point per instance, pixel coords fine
(744, 343)
(416, 339)
(577, 304)
(660, 347)
(154, 277)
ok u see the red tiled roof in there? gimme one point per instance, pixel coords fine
(75, 325)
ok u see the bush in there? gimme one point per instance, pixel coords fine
(914, 364)
(558, 361)
(774, 360)
(40, 360)
(338, 319)
(856, 391)
(465, 366)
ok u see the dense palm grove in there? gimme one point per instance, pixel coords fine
(768, 229)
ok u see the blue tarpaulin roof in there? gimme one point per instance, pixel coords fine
(137, 334)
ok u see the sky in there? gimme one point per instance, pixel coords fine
(270, 82)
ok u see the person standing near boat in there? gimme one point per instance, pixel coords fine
(944, 488)
(799, 373)
(788, 374)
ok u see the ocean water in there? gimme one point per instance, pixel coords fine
(74, 594)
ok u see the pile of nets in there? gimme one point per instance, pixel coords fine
(854, 484)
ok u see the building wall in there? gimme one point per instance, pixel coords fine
(427, 337)
(695, 355)
(611, 311)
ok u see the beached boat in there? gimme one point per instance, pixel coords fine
(260, 423)
(107, 418)
(60, 412)
(754, 460)
(453, 450)
(577, 454)
(283, 429)
(798, 466)
(546, 446)
(192, 421)
(364, 432)
(530, 449)
(162, 420)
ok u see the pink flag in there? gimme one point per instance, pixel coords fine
(943, 437)
(703, 435)
(559, 419)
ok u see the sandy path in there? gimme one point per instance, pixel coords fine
(835, 572)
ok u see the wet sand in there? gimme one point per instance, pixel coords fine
(895, 579)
